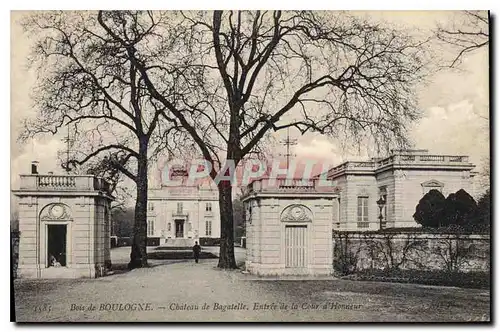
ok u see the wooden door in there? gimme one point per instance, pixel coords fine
(295, 246)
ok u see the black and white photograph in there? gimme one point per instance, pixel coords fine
(315, 166)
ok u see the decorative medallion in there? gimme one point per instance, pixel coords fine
(55, 212)
(296, 212)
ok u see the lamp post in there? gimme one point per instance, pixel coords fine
(381, 203)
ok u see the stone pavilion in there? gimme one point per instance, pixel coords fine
(64, 225)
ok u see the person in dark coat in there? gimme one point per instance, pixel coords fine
(196, 251)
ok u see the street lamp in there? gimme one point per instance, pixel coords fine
(381, 203)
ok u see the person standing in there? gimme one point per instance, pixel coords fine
(196, 251)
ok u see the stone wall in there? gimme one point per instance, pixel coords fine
(357, 251)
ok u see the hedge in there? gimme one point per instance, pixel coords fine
(480, 280)
(209, 241)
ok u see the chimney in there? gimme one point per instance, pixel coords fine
(34, 167)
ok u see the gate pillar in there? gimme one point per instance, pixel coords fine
(64, 226)
(289, 228)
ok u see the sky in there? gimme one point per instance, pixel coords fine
(454, 105)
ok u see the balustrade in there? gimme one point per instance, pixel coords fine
(287, 185)
(63, 182)
(56, 181)
(459, 159)
(422, 158)
(431, 158)
(407, 158)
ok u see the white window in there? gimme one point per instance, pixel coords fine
(208, 207)
(151, 227)
(151, 207)
(208, 227)
(363, 212)
(179, 207)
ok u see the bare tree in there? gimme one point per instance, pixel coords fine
(346, 253)
(468, 33)
(251, 73)
(454, 252)
(105, 168)
(87, 81)
(394, 250)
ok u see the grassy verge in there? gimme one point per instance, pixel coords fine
(479, 280)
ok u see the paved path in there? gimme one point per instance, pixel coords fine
(178, 291)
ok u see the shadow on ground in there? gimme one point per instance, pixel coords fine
(178, 255)
(121, 268)
(120, 257)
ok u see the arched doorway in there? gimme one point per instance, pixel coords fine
(55, 236)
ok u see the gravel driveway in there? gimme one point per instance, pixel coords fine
(185, 291)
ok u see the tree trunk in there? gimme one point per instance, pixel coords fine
(138, 255)
(226, 256)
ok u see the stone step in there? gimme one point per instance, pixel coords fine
(179, 243)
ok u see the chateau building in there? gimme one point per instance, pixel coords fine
(181, 213)
(387, 190)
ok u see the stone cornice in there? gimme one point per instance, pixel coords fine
(435, 167)
(276, 194)
(53, 193)
(358, 168)
(182, 198)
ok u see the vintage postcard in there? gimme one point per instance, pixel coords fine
(250, 166)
